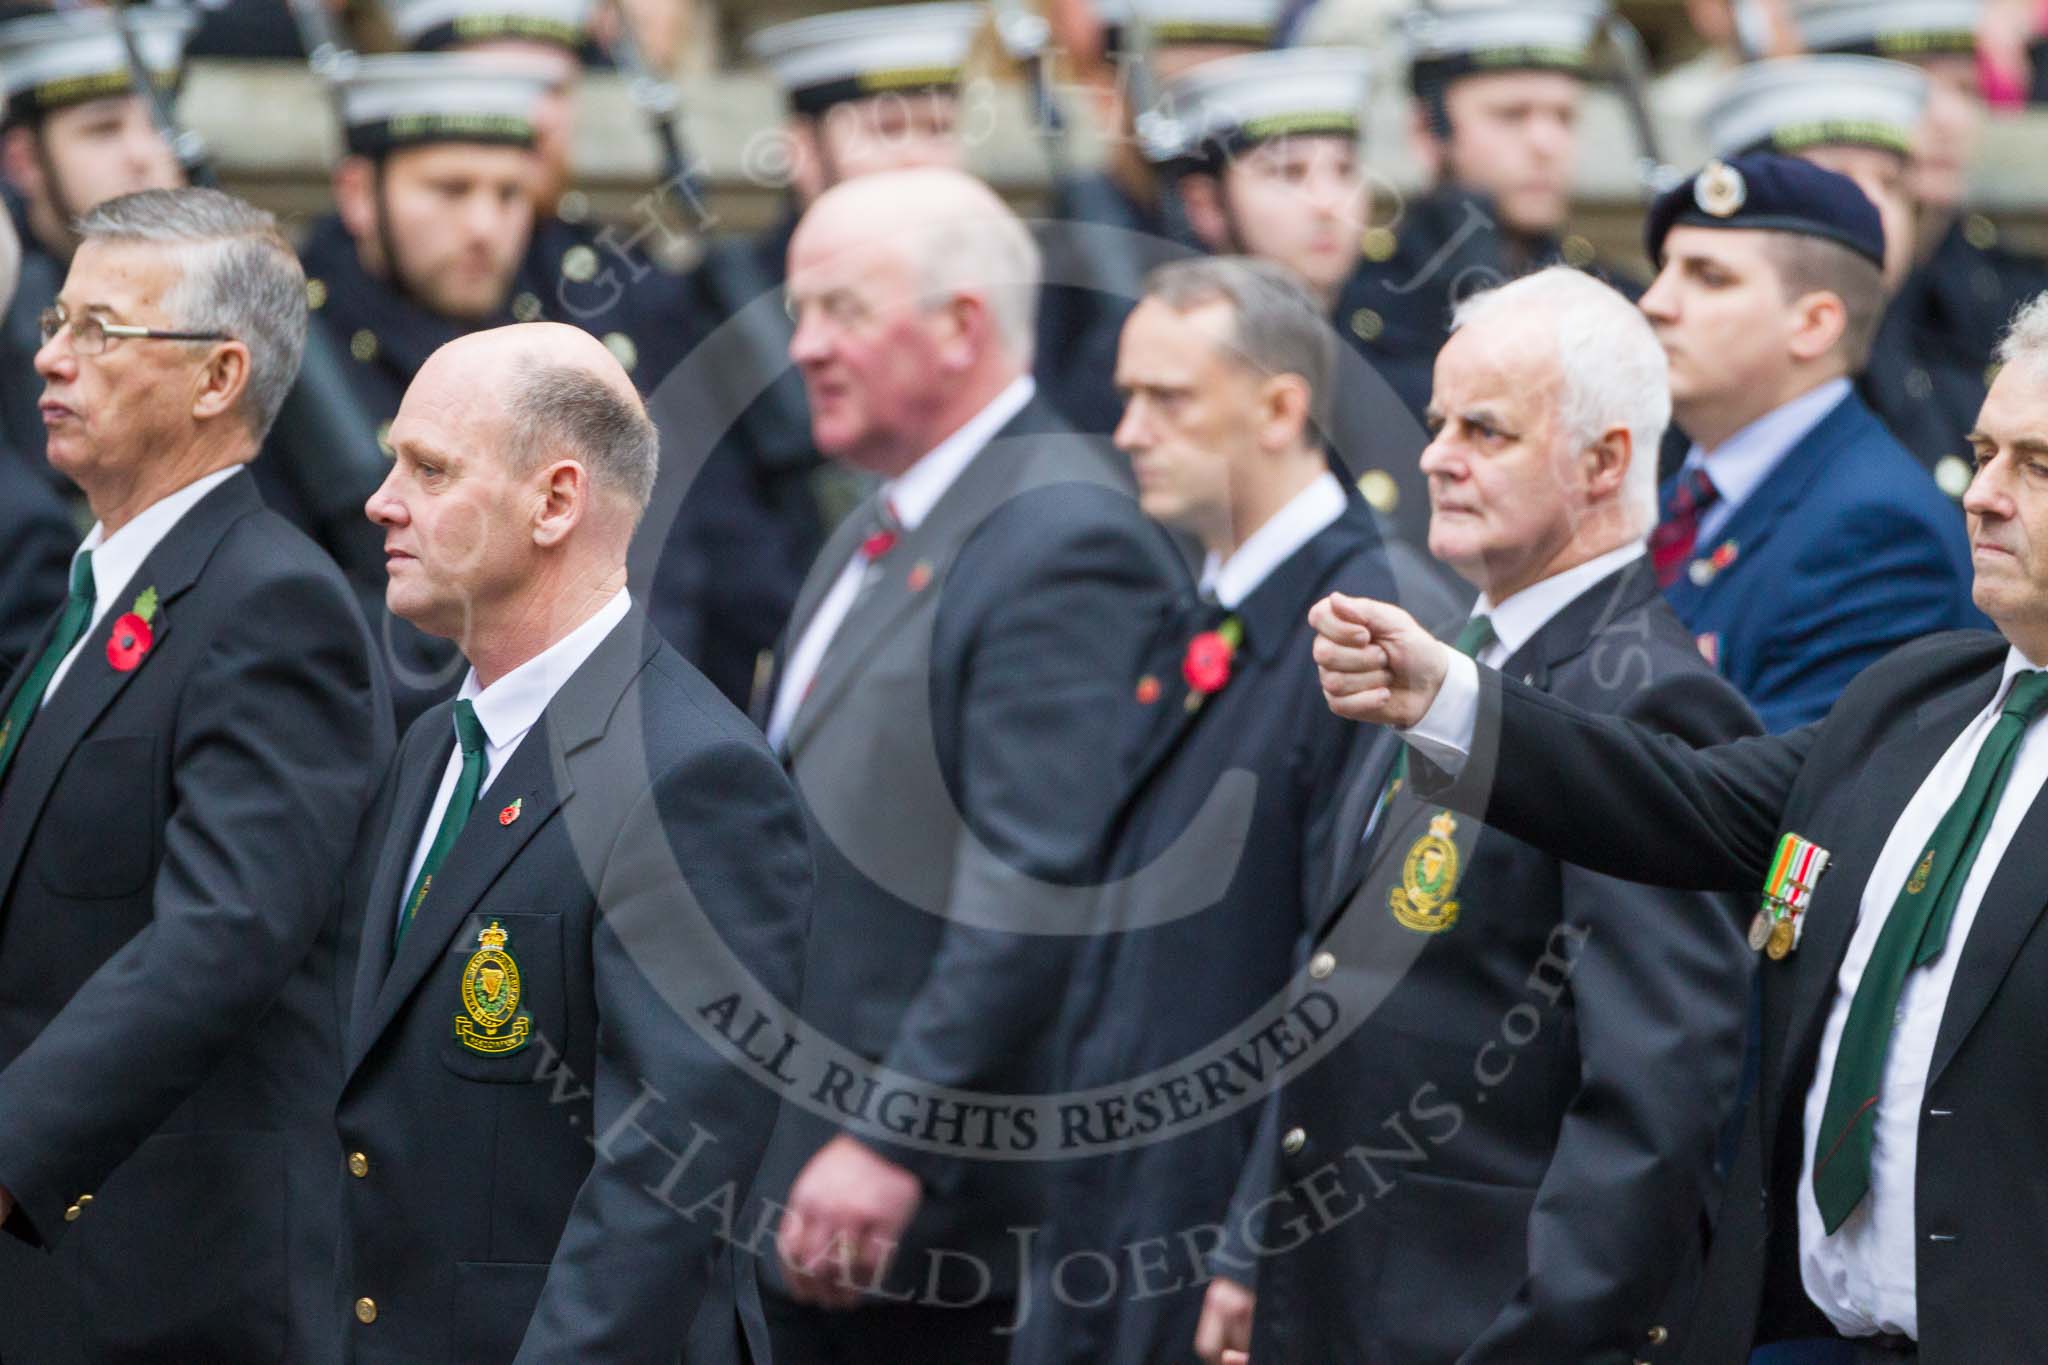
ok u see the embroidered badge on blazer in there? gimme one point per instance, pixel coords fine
(1429, 878)
(491, 1022)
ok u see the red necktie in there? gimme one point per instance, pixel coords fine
(1671, 543)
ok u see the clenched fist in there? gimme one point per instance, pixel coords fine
(1375, 662)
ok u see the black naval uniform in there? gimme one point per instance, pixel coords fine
(753, 519)
(1929, 368)
(1396, 307)
(386, 337)
(1093, 275)
(36, 565)
(574, 273)
(21, 388)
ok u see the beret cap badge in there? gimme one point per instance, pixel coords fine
(1720, 190)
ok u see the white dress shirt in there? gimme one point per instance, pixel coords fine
(911, 496)
(1300, 519)
(1746, 459)
(1862, 1277)
(116, 557)
(507, 709)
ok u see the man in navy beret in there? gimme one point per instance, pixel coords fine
(1798, 540)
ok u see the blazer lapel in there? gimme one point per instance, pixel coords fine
(537, 776)
(1352, 853)
(1886, 784)
(926, 551)
(1772, 503)
(406, 825)
(92, 683)
(2013, 902)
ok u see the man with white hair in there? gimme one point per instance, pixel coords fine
(1886, 1196)
(948, 699)
(1507, 1156)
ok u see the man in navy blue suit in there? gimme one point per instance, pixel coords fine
(1799, 541)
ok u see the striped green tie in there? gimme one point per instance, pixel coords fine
(77, 616)
(469, 733)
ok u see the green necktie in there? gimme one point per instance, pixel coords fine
(1477, 635)
(77, 616)
(1914, 935)
(469, 732)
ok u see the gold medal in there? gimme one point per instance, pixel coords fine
(1781, 940)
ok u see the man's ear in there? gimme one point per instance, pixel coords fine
(355, 196)
(1818, 321)
(19, 162)
(564, 489)
(1607, 463)
(1201, 194)
(222, 381)
(1431, 155)
(1285, 413)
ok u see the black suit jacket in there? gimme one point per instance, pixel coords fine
(171, 842)
(962, 729)
(1508, 1156)
(1642, 807)
(1250, 775)
(531, 1204)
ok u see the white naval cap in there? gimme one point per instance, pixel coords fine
(1462, 39)
(1789, 104)
(1888, 28)
(48, 61)
(1224, 106)
(1245, 23)
(408, 98)
(831, 58)
(426, 25)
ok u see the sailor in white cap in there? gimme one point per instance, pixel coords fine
(434, 212)
(75, 133)
(1497, 91)
(1929, 371)
(1854, 115)
(1121, 222)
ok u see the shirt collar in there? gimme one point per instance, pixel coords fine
(508, 708)
(1304, 516)
(118, 557)
(1747, 458)
(1516, 620)
(912, 494)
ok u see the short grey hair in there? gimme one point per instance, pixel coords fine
(2026, 337)
(240, 276)
(1612, 370)
(563, 409)
(991, 253)
(1276, 325)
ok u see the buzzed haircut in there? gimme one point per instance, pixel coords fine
(564, 409)
(1809, 265)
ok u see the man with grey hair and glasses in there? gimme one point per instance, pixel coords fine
(184, 756)
(1885, 1193)
(1509, 1154)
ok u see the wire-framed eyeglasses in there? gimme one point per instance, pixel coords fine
(91, 334)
